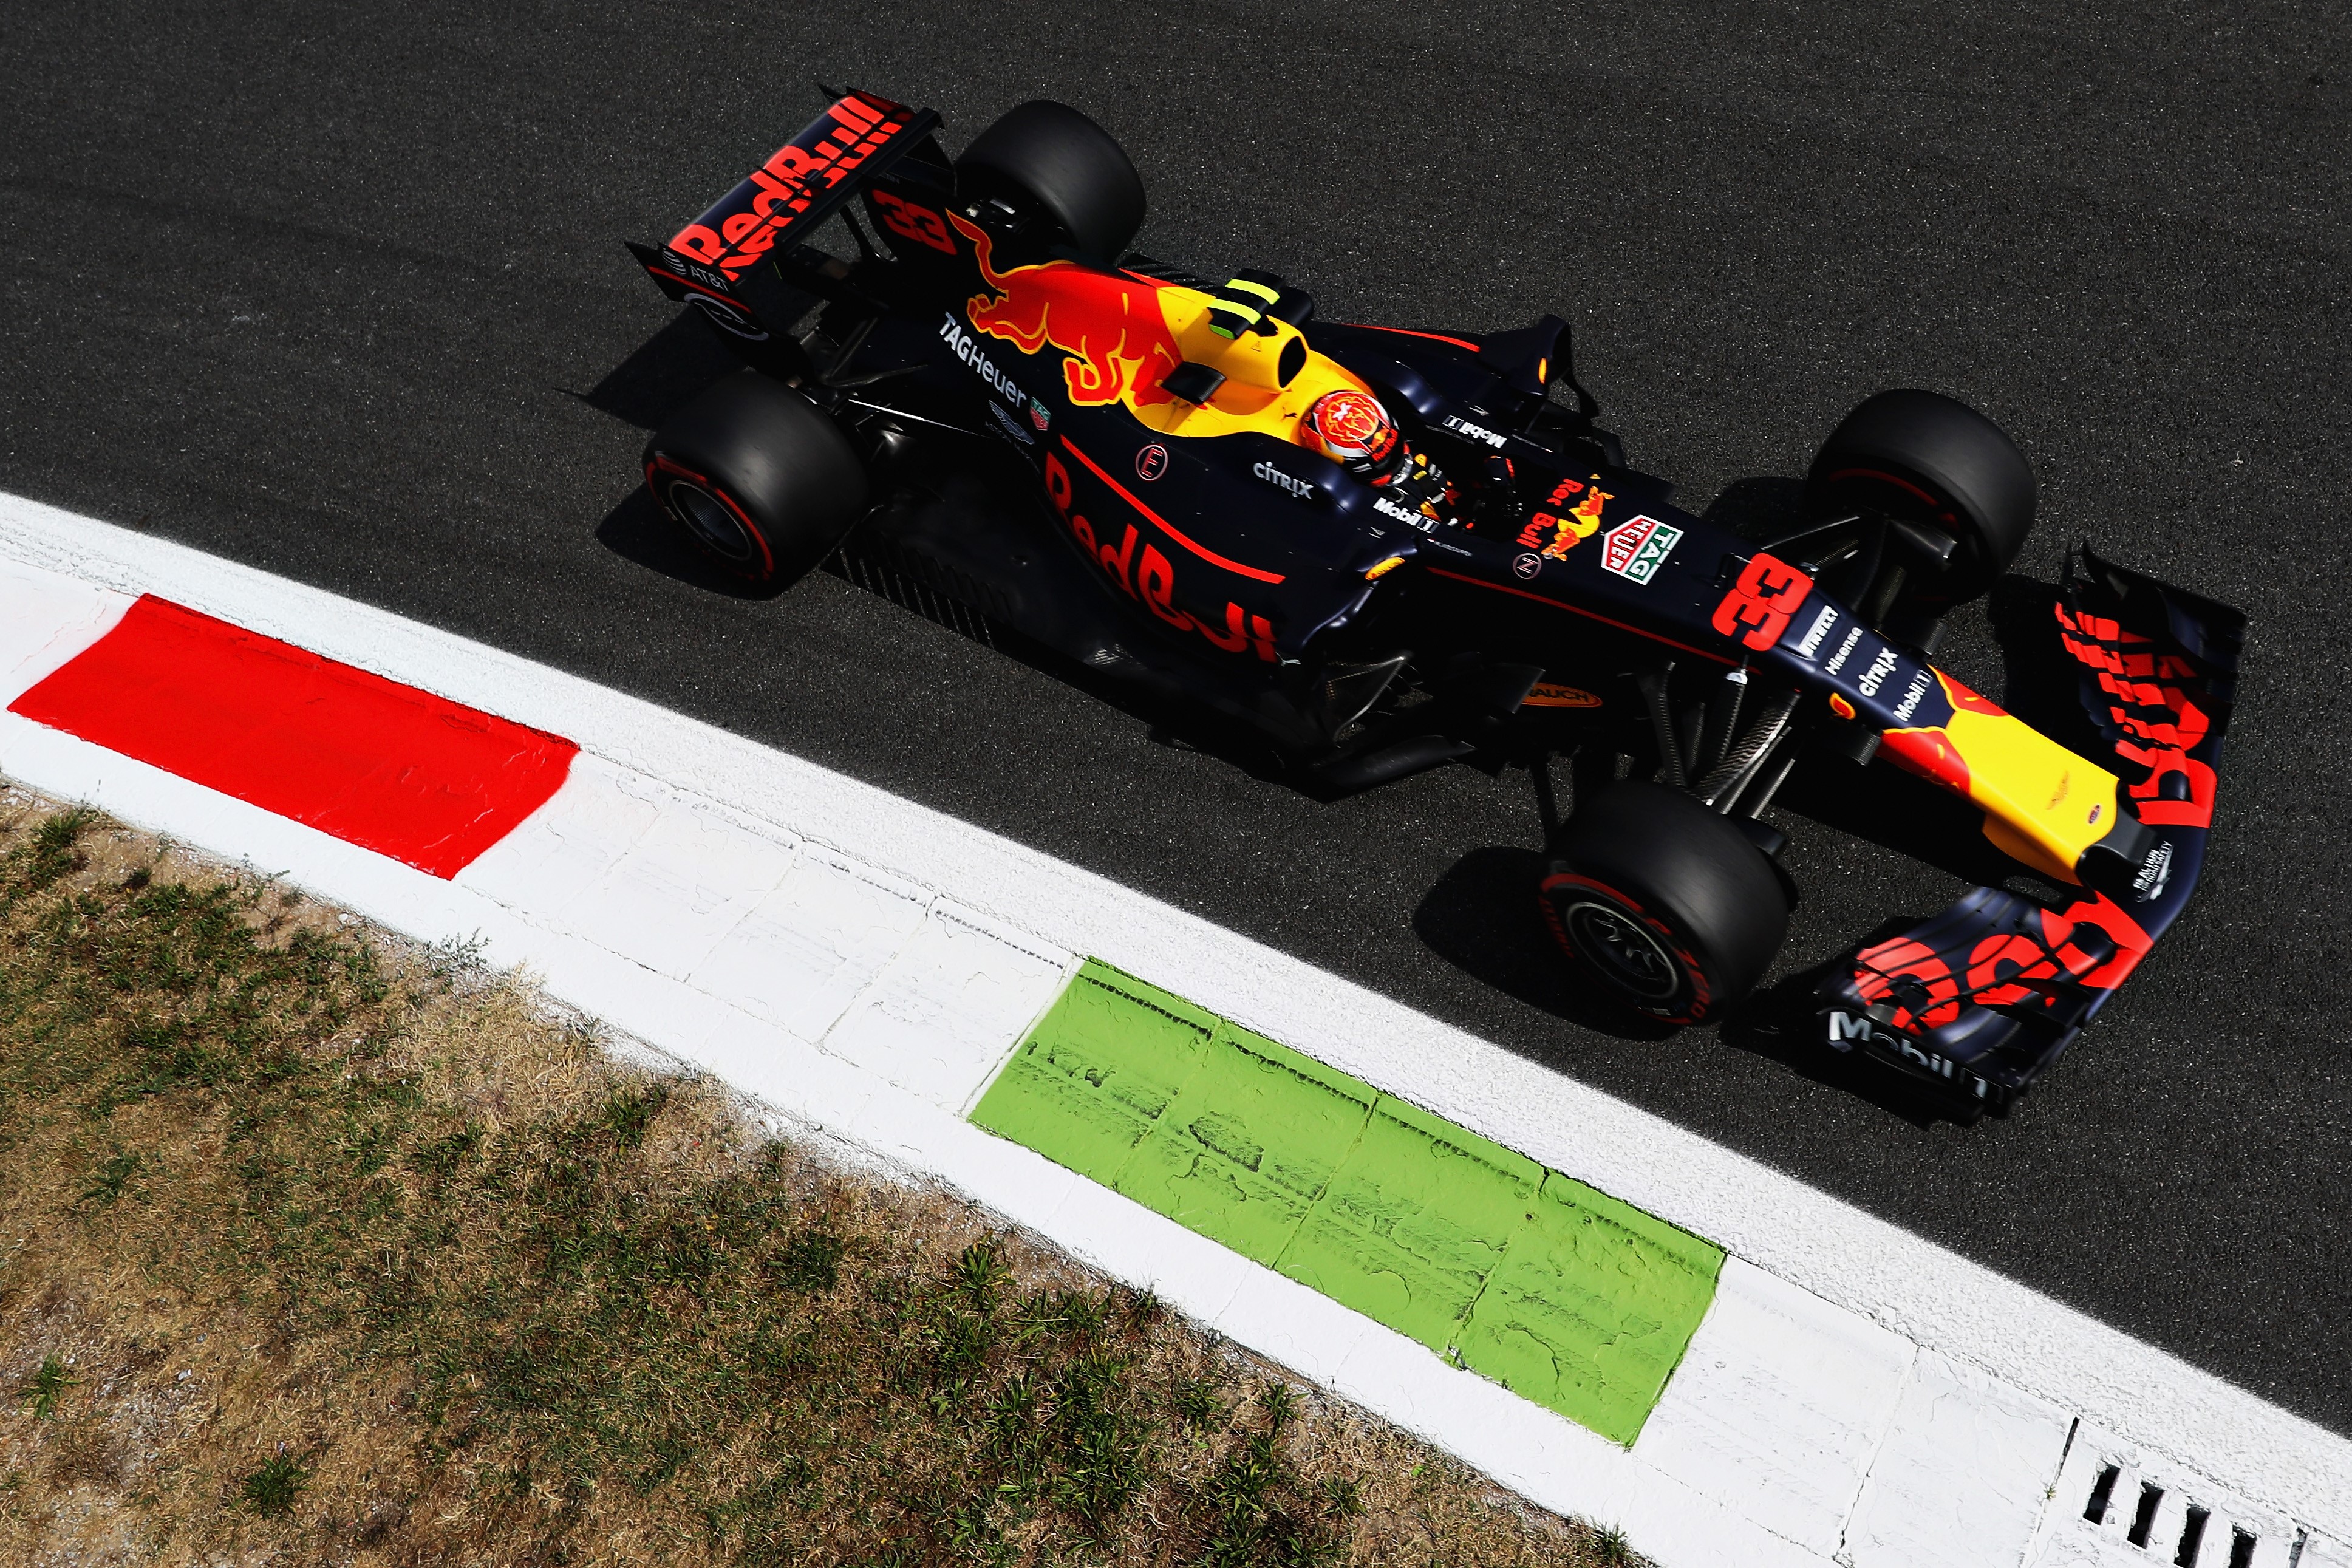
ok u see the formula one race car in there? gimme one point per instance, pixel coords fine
(1377, 550)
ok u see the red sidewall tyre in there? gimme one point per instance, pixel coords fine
(1667, 905)
(759, 477)
(685, 494)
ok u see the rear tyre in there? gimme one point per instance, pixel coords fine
(760, 478)
(1045, 159)
(1670, 907)
(1924, 457)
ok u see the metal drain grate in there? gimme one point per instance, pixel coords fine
(2115, 1506)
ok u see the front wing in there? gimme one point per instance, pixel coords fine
(1979, 999)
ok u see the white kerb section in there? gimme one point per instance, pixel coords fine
(854, 1001)
(1780, 1406)
(1963, 1475)
(862, 965)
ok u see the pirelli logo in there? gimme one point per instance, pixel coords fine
(746, 223)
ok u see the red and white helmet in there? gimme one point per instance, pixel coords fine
(1353, 430)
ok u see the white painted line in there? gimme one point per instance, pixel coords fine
(756, 914)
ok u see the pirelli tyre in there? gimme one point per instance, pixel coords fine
(1668, 906)
(1046, 158)
(759, 477)
(1927, 459)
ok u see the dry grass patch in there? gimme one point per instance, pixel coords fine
(322, 1249)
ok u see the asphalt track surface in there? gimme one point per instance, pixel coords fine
(340, 296)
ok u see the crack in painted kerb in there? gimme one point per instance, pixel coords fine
(1556, 1291)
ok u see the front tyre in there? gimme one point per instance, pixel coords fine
(759, 477)
(1664, 903)
(1927, 459)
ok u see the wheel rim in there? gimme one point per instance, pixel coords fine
(1628, 954)
(711, 522)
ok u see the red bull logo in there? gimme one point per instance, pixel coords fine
(745, 224)
(1119, 343)
(1145, 574)
(1567, 525)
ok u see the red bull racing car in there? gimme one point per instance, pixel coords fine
(1378, 550)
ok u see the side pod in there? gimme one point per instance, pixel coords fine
(1980, 999)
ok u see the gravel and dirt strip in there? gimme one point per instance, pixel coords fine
(326, 1246)
(341, 297)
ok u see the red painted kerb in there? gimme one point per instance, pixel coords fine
(375, 762)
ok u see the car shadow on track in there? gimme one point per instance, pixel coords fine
(657, 380)
(660, 376)
(637, 531)
(1483, 918)
(663, 372)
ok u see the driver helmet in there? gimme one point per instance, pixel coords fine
(1354, 431)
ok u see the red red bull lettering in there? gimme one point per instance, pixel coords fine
(2159, 723)
(1147, 575)
(744, 224)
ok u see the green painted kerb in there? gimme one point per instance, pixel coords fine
(1580, 1303)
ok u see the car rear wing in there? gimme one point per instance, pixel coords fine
(745, 259)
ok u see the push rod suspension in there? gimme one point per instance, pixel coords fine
(1723, 782)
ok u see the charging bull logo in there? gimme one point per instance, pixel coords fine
(1567, 528)
(1119, 343)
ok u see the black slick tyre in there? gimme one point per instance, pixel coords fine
(760, 478)
(1668, 906)
(1046, 159)
(1925, 458)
